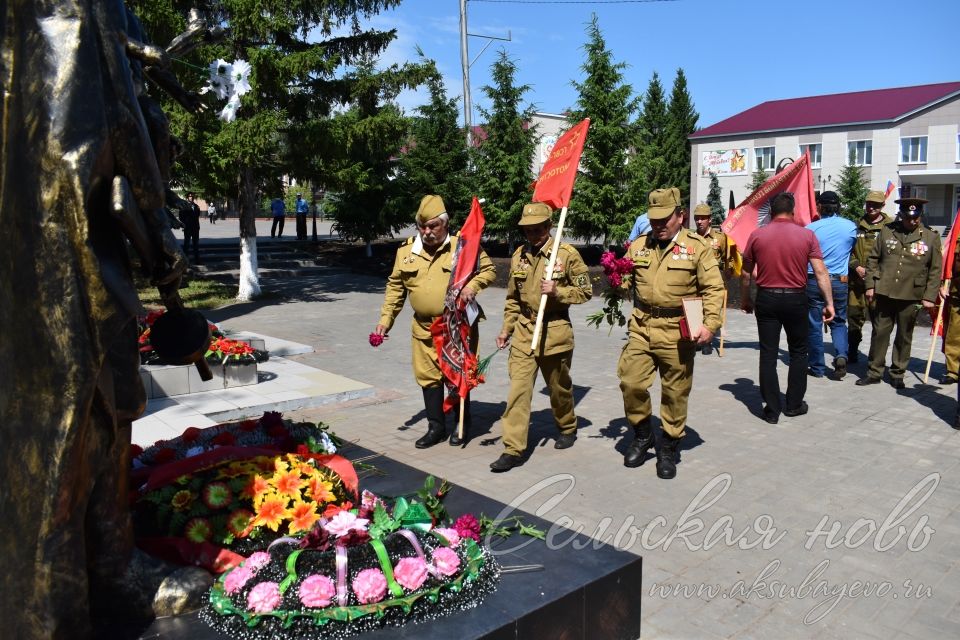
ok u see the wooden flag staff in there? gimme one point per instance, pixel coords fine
(936, 331)
(548, 277)
(723, 319)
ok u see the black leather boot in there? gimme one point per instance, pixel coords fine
(642, 441)
(455, 441)
(436, 421)
(667, 457)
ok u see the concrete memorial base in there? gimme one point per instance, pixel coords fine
(582, 592)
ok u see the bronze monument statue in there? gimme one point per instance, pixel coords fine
(84, 173)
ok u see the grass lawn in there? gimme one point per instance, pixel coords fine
(198, 294)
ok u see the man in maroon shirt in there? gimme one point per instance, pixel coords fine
(781, 251)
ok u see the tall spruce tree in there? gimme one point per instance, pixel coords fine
(601, 205)
(505, 154)
(757, 178)
(369, 135)
(648, 167)
(436, 160)
(299, 51)
(714, 200)
(681, 122)
(852, 187)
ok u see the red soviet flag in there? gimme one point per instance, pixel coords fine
(555, 183)
(797, 178)
(451, 331)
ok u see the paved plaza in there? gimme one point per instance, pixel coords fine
(731, 546)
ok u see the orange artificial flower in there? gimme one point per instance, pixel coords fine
(257, 486)
(288, 483)
(271, 512)
(303, 515)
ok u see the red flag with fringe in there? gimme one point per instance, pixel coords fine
(555, 183)
(797, 178)
(451, 331)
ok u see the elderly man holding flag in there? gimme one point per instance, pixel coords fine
(442, 274)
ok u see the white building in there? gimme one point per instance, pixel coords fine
(906, 135)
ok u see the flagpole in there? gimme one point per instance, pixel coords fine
(548, 277)
(936, 331)
(463, 404)
(723, 319)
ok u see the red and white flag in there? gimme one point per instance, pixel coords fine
(797, 178)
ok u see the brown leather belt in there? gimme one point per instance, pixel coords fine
(659, 312)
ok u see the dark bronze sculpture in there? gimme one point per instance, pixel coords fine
(85, 165)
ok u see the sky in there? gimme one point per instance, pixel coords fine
(735, 53)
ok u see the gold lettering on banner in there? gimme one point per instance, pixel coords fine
(556, 171)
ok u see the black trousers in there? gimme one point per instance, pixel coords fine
(191, 243)
(273, 228)
(787, 311)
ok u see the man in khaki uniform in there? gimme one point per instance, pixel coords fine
(903, 268)
(422, 271)
(951, 349)
(858, 309)
(553, 356)
(670, 263)
(717, 240)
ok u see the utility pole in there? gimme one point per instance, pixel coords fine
(466, 63)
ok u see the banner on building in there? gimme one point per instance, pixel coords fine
(724, 162)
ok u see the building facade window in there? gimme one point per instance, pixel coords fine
(908, 190)
(860, 152)
(816, 151)
(766, 158)
(913, 150)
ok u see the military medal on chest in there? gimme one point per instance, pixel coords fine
(919, 248)
(682, 252)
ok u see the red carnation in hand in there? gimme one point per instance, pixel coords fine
(376, 339)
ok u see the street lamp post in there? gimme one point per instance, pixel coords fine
(824, 182)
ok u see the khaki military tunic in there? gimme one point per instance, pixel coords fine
(858, 309)
(903, 269)
(424, 279)
(686, 268)
(554, 354)
(717, 240)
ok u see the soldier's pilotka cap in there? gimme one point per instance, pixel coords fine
(430, 208)
(663, 202)
(701, 210)
(911, 206)
(877, 196)
(535, 213)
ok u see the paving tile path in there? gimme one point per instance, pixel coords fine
(730, 547)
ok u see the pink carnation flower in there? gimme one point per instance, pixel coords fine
(345, 522)
(376, 339)
(446, 561)
(410, 573)
(450, 535)
(264, 597)
(236, 579)
(370, 585)
(317, 591)
(468, 527)
(257, 561)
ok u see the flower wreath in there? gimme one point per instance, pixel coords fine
(354, 572)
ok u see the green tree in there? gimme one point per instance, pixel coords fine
(852, 187)
(648, 168)
(757, 178)
(369, 136)
(600, 206)
(681, 122)
(717, 211)
(436, 160)
(504, 157)
(301, 52)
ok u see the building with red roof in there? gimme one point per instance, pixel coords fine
(907, 135)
